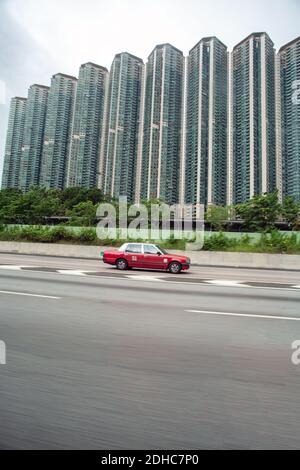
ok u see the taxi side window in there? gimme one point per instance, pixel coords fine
(150, 250)
(131, 248)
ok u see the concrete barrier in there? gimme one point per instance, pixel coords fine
(200, 258)
(245, 260)
(51, 249)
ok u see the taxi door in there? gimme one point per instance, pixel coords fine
(134, 255)
(153, 258)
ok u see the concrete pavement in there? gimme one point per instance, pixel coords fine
(196, 272)
(100, 363)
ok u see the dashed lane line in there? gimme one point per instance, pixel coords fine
(226, 283)
(10, 267)
(145, 278)
(72, 272)
(248, 315)
(25, 294)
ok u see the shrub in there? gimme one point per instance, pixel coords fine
(277, 242)
(58, 234)
(87, 235)
(219, 242)
(274, 242)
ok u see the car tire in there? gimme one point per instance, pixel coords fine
(175, 268)
(122, 264)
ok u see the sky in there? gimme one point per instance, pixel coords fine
(39, 38)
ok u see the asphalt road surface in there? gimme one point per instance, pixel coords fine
(97, 360)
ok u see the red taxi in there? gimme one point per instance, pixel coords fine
(145, 256)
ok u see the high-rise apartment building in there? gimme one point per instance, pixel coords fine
(14, 143)
(288, 119)
(253, 150)
(87, 131)
(162, 127)
(119, 164)
(205, 162)
(33, 136)
(215, 127)
(58, 126)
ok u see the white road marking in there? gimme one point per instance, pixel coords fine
(73, 272)
(250, 315)
(296, 287)
(143, 278)
(13, 268)
(205, 283)
(226, 283)
(6, 292)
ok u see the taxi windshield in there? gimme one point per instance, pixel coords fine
(164, 252)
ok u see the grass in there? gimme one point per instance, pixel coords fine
(274, 242)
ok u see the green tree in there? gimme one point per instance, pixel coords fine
(84, 214)
(71, 197)
(39, 203)
(7, 198)
(30, 208)
(290, 211)
(261, 212)
(218, 216)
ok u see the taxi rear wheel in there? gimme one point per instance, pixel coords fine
(175, 267)
(122, 264)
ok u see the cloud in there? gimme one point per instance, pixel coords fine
(22, 62)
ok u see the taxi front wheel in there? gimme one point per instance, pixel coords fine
(175, 267)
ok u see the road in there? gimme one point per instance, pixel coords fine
(99, 360)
